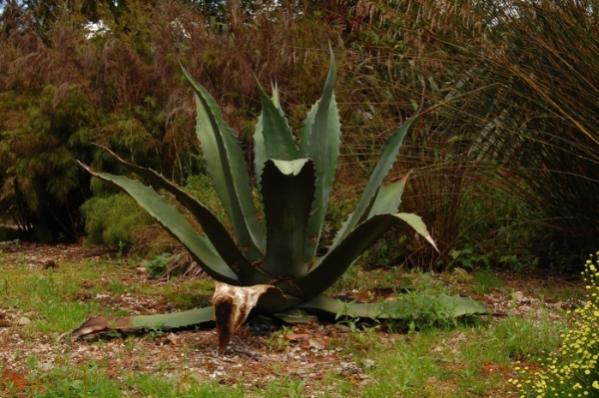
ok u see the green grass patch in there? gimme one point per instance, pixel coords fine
(60, 299)
(83, 381)
(188, 387)
(51, 296)
(432, 360)
(467, 361)
(486, 281)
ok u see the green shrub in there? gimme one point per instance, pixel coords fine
(572, 371)
(41, 186)
(498, 229)
(156, 267)
(113, 220)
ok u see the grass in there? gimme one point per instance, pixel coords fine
(394, 279)
(486, 281)
(49, 296)
(438, 360)
(467, 361)
(61, 299)
(91, 380)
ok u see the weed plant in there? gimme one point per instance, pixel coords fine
(572, 371)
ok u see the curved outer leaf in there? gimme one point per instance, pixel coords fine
(215, 231)
(228, 171)
(414, 221)
(327, 306)
(273, 138)
(387, 200)
(446, 307)
(336, 262)
(169, 217)
(319, 141)
(173, 320)
(383, 166)
(288, 192)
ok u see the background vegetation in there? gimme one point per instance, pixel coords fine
(504, 157)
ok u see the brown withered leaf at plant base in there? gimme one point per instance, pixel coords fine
(101, 324)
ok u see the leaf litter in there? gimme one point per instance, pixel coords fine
(308, 352)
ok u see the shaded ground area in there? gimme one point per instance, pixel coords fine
(39, 303)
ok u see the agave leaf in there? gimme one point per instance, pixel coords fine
(444, 307)
(383, 166)
(276, 301)
(387, 200)
(173, 320)
(320, 140)
(295, 316)
(215, 231)
(276, 98)
(273, 138)
(340, 257)
(260, 156)
(288, 192)
(324, 306)
(306, 130)
(457, 306)
(200, 248)
(278, 138)
(414, 221)
(228, 171)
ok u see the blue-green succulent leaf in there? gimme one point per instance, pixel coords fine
(408, 307)
(167, 215)
(340, 257)
(212, 227)
(228, 170)
(319, 141)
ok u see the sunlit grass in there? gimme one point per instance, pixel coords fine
(60, 299)
(447, 360)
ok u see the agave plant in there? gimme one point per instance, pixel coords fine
(270, 264)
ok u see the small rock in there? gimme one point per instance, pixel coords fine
(368, 364)
(349, 368)
(23, 321)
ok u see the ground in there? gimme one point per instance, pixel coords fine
(46, 291)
